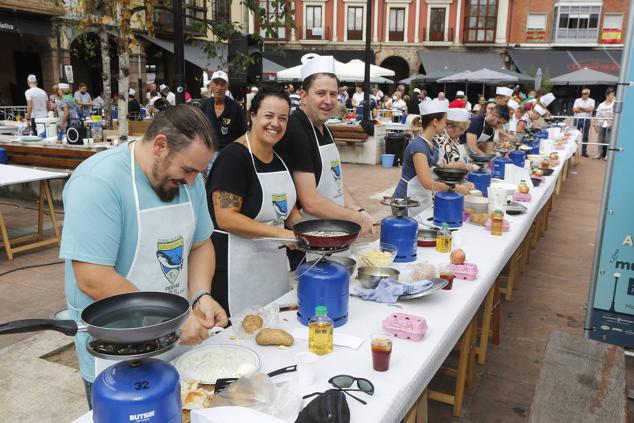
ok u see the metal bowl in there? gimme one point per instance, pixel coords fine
(370, 276)
(347, 262)
(370, 254)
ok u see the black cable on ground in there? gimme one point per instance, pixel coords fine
(31, 266)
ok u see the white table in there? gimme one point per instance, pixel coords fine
(10, 175)
(412, 364)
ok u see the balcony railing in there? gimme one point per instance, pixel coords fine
(438, 36)
(576, 35)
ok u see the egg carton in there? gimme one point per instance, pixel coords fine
(522, 197)
(554, 163)
(467, 271)
(405, 326)
(506, 226)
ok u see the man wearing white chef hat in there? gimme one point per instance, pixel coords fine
(309, 150)
(169, 96)
(421, 154)
(529, 119)
(515, 115)
(503, 95)
(134, 107)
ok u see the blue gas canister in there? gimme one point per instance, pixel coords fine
(448, 208)
(518, 157)
(324, 283)
(402, 232)
(498, 166)
(4, 159)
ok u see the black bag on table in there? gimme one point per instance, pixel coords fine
(329, 407)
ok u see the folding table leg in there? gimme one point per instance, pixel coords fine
(421, 408)
(463, 364)
(51, 210)
(5, 238)
(487, 313)
(497, 314)
(40, 212)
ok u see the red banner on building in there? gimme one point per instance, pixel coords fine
(535, 35)
(611, 36)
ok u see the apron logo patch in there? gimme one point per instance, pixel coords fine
(224, 130)
(335, 168)
(226, 121)
(170, 257)
(280, 205)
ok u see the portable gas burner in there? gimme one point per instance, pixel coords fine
(399, 229)
(449, 205)
(138, 388)
(323, 282)
(481, 178)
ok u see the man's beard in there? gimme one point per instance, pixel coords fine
(164, 193)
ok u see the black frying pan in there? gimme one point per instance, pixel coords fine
(304, 232)
(450, 173)
(125, 318)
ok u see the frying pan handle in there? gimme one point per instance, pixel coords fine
(67, 327)
(282, 371)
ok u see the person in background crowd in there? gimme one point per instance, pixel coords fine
(226, 115)
(528, 119)
(480, 104)
(401, 89)
(451, 152)
(97, 104)
(517, 94)
(358, 95)
(458, 102)
(488, 106)
(467, 105)
(421, 154)
(503, 95)
(515, 115)
(293, 95)
(343, 95)
(66, 109)
(423, 96)
(605, 115)
(583, 108)
(83, 100)
(413, 127)
(441, 98)
(374, 108)
(53, 99)
(530, 97)
(36, 102)
(151, 92)
(168, 94)
(251, 194)
(188, 96)
(398, 104)
(412, 104)
(250, 95)
(134, 108)
(479, 135)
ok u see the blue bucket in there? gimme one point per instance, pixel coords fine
(4, 159)
(387, 160)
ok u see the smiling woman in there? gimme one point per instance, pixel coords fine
(251, 195)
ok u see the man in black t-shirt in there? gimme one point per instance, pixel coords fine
(226, 115)
(308, 144)
(134, 108)
(479, 135)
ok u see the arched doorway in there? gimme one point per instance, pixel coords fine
(398, 65)
(85, 57)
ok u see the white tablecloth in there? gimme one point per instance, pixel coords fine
(10, 175)
(412, 364)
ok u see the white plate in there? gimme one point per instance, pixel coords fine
(211, 362)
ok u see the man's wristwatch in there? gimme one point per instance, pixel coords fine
(198, 296)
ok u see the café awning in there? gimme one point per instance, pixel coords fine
(585, 77)
(437, 60)
(556, 62)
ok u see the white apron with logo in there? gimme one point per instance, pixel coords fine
(258, 270)
(165, 235)
(416, 191)
(330, 183)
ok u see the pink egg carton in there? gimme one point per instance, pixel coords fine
(467, 271)
(560, 146)
(522, 197)
(505, 225)
(405, 326)
(554, 163)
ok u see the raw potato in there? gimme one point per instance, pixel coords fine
(251, 323)
(274, 337)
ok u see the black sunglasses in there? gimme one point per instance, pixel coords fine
(345, 381)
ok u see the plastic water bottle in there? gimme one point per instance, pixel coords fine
(320, 337)
(443, 239)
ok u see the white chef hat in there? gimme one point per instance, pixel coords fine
(318, 64)
(131, 92)
(458, 115)
(162, 87)
(63, 86)
(431, 107)
(504, 91)
(513, 104)
(31, 78)
(417, 90)
(459, 93)
(539, 109)
(220, 75)
(546, 99)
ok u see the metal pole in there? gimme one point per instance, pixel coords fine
(179, 49)
(366, 76)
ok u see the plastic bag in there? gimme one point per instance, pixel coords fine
(269, 314)
(258, 392)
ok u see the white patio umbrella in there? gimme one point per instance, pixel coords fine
(357, 66)
(483, 75)
(295, 73)
(349, 72)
